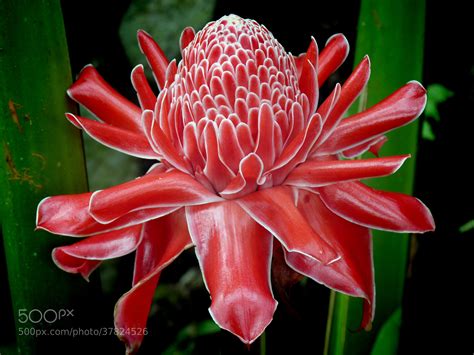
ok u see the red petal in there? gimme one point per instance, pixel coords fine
(265, 147)
(275, 210)
(95, 94)
(74, 265)
(170, 189)
(69, 215)
(309, 84)
(234, 253)
(353, 274)
(377, 209)
(399, 109)
(297, 151)
(155, 57)
(162, 143)
(299, 60)
(229, 146)
(85, 256)
(171, 71)
(328, 104)
(131, 312)
(332, 56)
(122, 140)
(191, 146)
(107, 245)
(373, 146)
(245, 138)
(320, 173)
(215, 170)
(186, 37)
(140, 83)
(313, 52)
(311, 55)
(377, 144)
(351, 89)
(250, 172)
(162, 242)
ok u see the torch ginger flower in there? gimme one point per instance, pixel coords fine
(248, 162)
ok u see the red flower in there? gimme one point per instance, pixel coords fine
(247, 160)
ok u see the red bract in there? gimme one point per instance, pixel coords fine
(249, 164)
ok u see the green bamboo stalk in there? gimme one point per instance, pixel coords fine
(392, 34)
(41, 156)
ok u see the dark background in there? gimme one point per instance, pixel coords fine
(438, 306)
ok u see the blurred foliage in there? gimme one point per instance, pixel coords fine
(164, 20)
(175, 292)
(437, 94)
(466, 227)
(185, 340)
(107, 167)
(386, 342)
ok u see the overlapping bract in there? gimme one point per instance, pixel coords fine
(249, 164)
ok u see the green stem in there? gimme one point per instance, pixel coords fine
(263, 343)
(42, 156)
(392, 34)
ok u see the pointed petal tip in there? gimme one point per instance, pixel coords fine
(74, 265)
(419, 92)
(338, 37)
(366, 64)
(86, 71)
(377, 209)
(88, 68)
(399, 161)
(142, 34)
(137, 67)
(39, 220)
(73, 119)
(366, 58)
(264, 314)
(187, 35)
(428, 224)
(418, 84)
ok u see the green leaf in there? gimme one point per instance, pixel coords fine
(392, 34)
(41, 156)
(427, 131)
(437, 94)
(386, 342)
(467, 226)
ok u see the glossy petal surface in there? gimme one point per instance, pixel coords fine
(162, 241)
(275, 210)
(366, 206)
(234, 253)
(353, 273)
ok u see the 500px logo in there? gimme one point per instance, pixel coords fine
(48, 315)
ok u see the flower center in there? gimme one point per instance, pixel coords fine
(235, 93)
